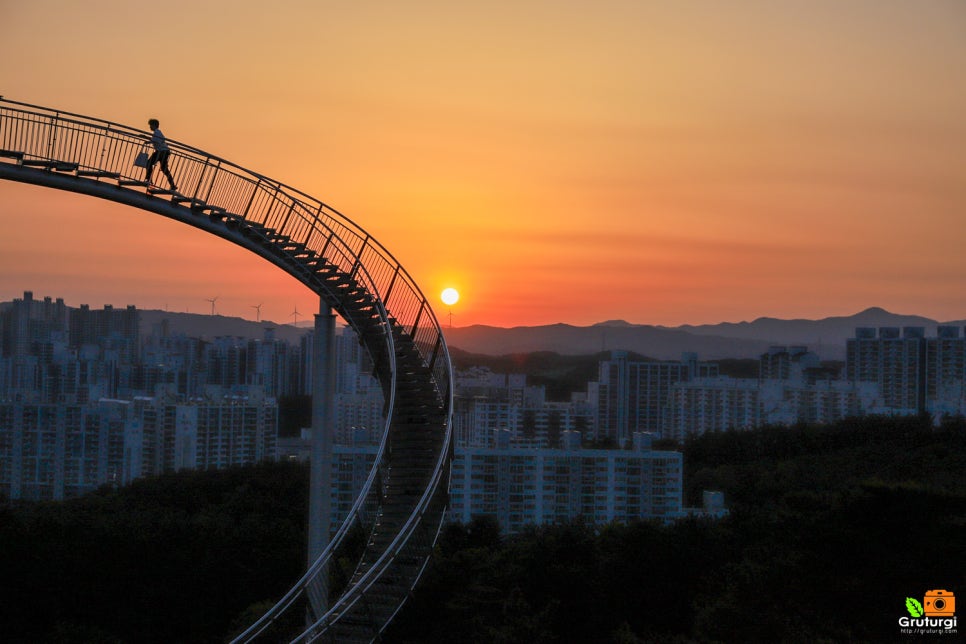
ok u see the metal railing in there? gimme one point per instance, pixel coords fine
(102, 151)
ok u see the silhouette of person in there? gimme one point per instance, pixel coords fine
(160, 154)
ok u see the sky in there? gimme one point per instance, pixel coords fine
(687, 162)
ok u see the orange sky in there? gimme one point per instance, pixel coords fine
(658, 162)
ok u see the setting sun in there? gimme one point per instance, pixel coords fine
(450, 296)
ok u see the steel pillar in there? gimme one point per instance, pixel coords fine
(323, 428)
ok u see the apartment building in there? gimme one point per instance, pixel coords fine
(520, 487)
(53, 451)
(633, 394)
(914, 373)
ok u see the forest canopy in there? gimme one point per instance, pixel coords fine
(830, 530)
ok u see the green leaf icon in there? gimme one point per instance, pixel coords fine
(914, 607)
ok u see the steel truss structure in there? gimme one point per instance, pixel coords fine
(391, 529)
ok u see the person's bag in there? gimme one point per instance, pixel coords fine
(141, 160)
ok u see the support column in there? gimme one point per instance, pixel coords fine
(323, 428)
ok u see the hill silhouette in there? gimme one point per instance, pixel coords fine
(198, 325)
(826, 337)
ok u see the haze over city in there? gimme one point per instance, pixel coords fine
(663, 163)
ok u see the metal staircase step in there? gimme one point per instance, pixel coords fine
(50, 164)
(98, 174)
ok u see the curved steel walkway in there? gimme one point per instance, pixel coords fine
(393, 525)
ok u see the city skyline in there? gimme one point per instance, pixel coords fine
(660, 164)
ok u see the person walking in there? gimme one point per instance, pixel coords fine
(160, 154)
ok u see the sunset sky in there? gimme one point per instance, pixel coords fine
(657, 162)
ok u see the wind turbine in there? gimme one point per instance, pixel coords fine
(295, 314)
(258, 311)
(450, 296)
(212, 300)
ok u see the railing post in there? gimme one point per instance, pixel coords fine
(211, 186)
(422, 307)
(358, 258)
(51, 135)
(325, 247)
(283, 228)
(105, 137)
(251, 199)
(314, 226)
(392, 282)
(439, 344)
(201, 177)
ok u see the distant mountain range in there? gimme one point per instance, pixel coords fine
(826, 337)
(211, 326)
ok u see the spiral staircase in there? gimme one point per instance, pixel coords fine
(351, 592)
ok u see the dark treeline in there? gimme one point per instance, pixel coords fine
(177, 558)
(830, 530)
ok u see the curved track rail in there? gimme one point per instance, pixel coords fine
(398, 515)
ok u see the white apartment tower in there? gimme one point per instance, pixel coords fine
(633, 395)
(519, 487)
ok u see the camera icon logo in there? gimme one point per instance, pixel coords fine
(939, 603)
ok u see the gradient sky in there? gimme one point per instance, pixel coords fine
(658, 162)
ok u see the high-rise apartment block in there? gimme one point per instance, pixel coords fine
(51, 451)
(893, 360)
(57, 451)
(633, 394)
(915, 373)
(702, 405)
(485, 401)
(520, 486)
(820, 402)
(946, 371)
